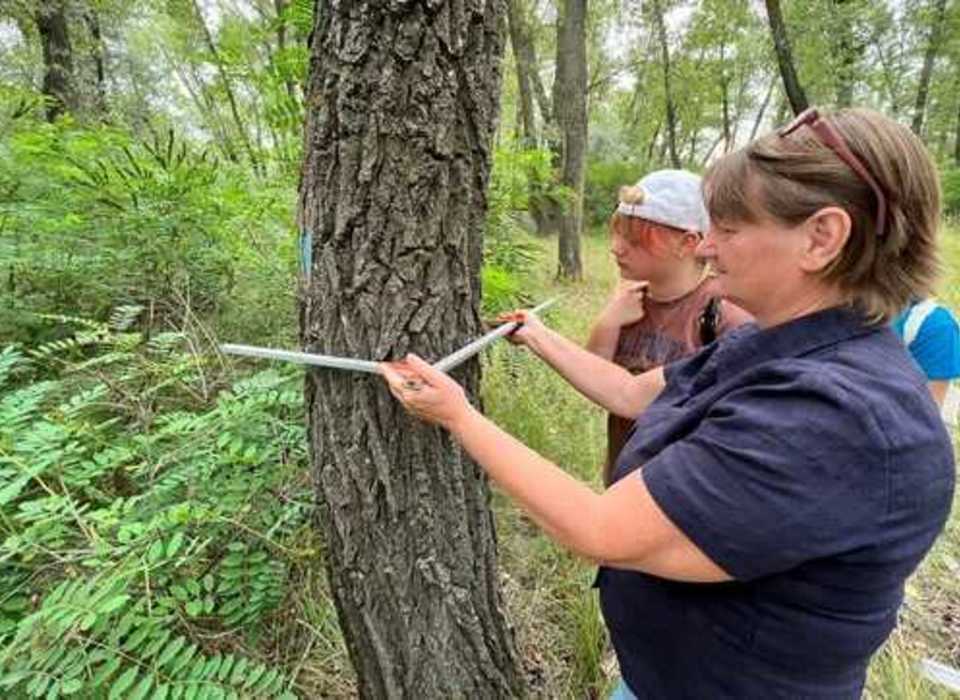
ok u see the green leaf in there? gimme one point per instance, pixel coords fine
(171, 650)
(71, 686)
(225, 667)
(122, 683)
(107, 670)
(174, 545)
(115, 603)
(161, 692)
(155, 553)
(140, 692)
(194, 608)
(13, 678)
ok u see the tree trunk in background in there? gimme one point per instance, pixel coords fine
(570, 109)
(763, 108)
(92, 20)
(661, 28)
(930, 55)
(525, 57)
(402, 106)
(57, 58)
(781, 44)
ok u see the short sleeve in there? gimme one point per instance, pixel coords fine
(937, 346)
(776, 474)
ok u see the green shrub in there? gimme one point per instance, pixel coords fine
(145, 517)
(604, 179)
(950, 181)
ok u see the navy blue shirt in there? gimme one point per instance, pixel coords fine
(808, 461)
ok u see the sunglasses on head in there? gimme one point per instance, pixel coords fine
(832, 139)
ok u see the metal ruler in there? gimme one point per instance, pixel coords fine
(354, 365)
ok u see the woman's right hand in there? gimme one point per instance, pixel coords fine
(625, 305)
(530, 329)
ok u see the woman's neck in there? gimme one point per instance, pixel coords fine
(678, 285)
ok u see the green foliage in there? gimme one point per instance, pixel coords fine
(604, 180)
(517, 176)
(950, 181)
(91, 218)
(140, 529)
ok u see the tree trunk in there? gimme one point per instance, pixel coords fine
(570, 108)
(781, 44)
(402, 106)
(525, 57)
(763, 108)
(57, 58)
(671, 109)
(92, 20)
(933, 47)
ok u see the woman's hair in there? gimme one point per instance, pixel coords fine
(789, 178)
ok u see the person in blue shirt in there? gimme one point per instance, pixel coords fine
(932, 335)
(781, 484)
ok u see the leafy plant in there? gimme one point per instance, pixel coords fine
(135, 552)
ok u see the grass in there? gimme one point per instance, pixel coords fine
(550, 602)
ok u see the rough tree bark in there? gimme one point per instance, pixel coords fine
(926, 73)
(570, 110)
(671, 109)
(402, 103)
(781, 44)
(58, 86)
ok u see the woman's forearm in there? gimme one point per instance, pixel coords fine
(565, 508)
(606, 384)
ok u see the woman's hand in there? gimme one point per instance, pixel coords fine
(626, 304)
(528, 332)
(425, 392)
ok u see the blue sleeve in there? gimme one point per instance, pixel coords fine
(776, 475)
(937, 346)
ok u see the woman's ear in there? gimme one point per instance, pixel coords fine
(826, 232)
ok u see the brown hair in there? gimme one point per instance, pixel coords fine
(790, 178)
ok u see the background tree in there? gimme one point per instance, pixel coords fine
(781, 43)
(393, 194)
(570, 108)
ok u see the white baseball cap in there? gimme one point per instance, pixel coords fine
(670, 197)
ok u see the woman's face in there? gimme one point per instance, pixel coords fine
(756, 263)
(645, 252)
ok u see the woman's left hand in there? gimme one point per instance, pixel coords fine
(427, 393)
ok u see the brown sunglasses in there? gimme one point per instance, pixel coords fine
(832, 139)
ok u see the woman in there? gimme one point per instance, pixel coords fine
(781, 484)
(666, 305)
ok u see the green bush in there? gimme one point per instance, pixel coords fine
(604, 179)
(950, 181)
(91, 218)
(148, 523)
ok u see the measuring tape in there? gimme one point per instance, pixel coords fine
(353, 365)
